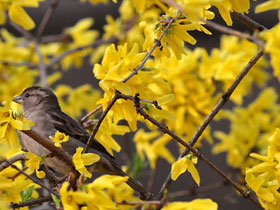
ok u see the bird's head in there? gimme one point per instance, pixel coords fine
(36, 98)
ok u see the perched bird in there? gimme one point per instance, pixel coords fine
(40, 105)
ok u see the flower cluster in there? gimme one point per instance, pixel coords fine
(263, 178)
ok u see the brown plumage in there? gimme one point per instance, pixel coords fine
(40, 105)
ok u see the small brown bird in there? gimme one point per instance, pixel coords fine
(40, 105)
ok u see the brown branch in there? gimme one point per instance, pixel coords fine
(12, 63)
(141, 203)
(214, 111)
(96, 43)
(188, 147)
(36, 201)
(46, 18)
(12, 160)
(156, 44)
(233, 32)
(57, 151)
(89, 114)
(41, 65)
(21, 30)
(33, 179)
(248, 22)
(97, 125)
(115, 98)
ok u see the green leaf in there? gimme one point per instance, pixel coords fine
(56, 200)
(26, 194)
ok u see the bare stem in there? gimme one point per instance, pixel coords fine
(21, 30)
(59, 152)
(31, 202)
(41, 66)
(12, 63)
(96, 43)
(213, 113)
(12, 160)
(97, 125)
(33, 179)
(46, 18)
(233, 32)
(89, 114)
(248, 22)
(156, 44)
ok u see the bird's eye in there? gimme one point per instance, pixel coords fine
(27, 95)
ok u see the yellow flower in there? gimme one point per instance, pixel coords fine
(70, 199)
(81, 160)
(183, 164)
(152, 149)
(272, 38)
(252, 125)
(17, 13)
(268, 5)
(197, 204)
(59, 138)
(11, 119)
(33, 163)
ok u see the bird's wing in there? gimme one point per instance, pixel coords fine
(69, 126)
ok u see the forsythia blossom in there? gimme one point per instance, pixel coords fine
(81, 160)
(59, 138)
(183, 164)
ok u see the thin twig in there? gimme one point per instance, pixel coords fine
(233, 32)
(114, 99)
(12, 160)
(12, 63)
(152, 178)
(57, 151)
(203, 189)
(21, 30)
(156, 44)
(135, 203)
(188, 147)
(32, 202)
(248, 22)
(41, 66)
(96, 43)
(46, 18)
(213, 113)
(89, 114)
(97, 125)
(33, 179)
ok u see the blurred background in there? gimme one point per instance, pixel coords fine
(69, 12)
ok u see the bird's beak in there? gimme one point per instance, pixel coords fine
(17, 99)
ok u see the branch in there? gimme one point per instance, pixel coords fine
(33, 179)
(12, 63)
(96, 43)
(142, 203)
(31, 202)
(213, 112)
(57, 151)
(115, 98)
(41, 66)
(46, 18)
(12, 160)
(89, 114)
(21, 30)
(97, 125)
(233, 32)
(156, 44)
(248, 22)
(188, 147)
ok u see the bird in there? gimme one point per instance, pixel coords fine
(40, 105)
